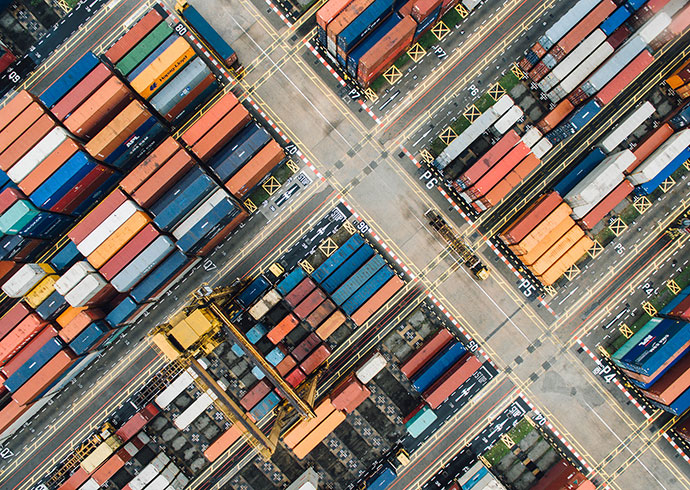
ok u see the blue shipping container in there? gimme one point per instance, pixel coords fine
(258, 373)
(363, 24)
(675, 301)
(354, 262)
(89, 337)
(585, 114)
(265, 406)
(682, 119)
(138, 145)
(185, 202)
(633, 341)
(52, 306)
(338, 257)
(96, 195)
(120, 315)
(237, 350)
(239, 151)
(369, 41)
(358, 279)
(62, 180)
(159, 276)
(275, 356)
(420, 422)
(122, 152)
(367, 290)
(155, 54)
(291, 280)
(382, 479)
(427, 24)
(679, 405)
(59, 88)
(257, 287)
(66, 257)
(649, 187)
(634, 5)
(657, 347)
(256, 333)
(583, 168)
(437, 366)
(210, 35)
(214, 221)
(47, 225)
(615, 20)
(33, 364)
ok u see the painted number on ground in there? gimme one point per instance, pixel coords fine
(6, 453)
(430, 180)
(605, 372)
(209, 265)
(291, 149)
(527, 288)
(181, 29)
(363, 227)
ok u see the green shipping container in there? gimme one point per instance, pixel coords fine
(17, 217)
(144, 48)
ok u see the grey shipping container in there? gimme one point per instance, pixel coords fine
(613, 65)
(180, 86)
(137, 269)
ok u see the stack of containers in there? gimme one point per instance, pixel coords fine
(658, 166)
(563, 475)
(546, 239)
(359, 27)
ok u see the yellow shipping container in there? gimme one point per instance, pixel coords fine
(566, 261)
(118, 239)
(102, 452)
(542, 229)
(161, 341)
(41, 291)
(114, 442)
(200, 321)
(319, 434)
(163, 69)
(184, 335)
(557, 250)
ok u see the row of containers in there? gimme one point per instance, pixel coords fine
(175, 200)
(365, 37)
(679, 81)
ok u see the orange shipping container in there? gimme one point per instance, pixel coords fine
(19, 336)
(19, 125)
(649, 145)
(377, 300)
(330, 11)
(114, 464)
(44, 377)
(554, 117)
(561, 246)
(497, 193)
(542, 229)
(48, 166)
(319, 434)
(223, 443)
(566, 261)
(10, 413)
(331, 324)
(284, 327)
(529, 218)
(217, 137)
(300, 430)
(255, 170)
(99, 109)
(163, 69)
(68, 315)
(384, 53)
(26, 141)
(544, 244)
(153, 162)
(674, 81)
(672, 383)
(209, 118)
(118, 130)
(14, 107)
(70, 331)
(118, 239)
(163, 179)
(344, 18)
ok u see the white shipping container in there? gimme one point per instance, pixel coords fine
(161, 482)
(73, 276)
(24, 280)
(85, 291)
(584, 69)
(542, 148)
(601, 180)
(568, 20)
(270, 299)
(626, 127)
(142, 264)
(160, 462)
(658, 160)
(471, 4)
(174, 389)
(37, 154)
(180, 482)
(197, 407)
(201, 211)
(107, 228)
(620, 59)
(508, 119)
(579, 54)
(548, 82)
(654, 26)
(371, 368)
(558, 93)
(469, 474)
(531, 137)
(309, 480)
(143, 438)
(144, 477)
(90, 484)
(131, 449)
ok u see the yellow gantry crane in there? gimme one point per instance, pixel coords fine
(458, 245)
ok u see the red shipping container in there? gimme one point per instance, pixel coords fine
(422, 9)
(125, 255)
(217, 137)
(320, 313)
(554, 117)
(114, 464)
(23, 121)
(26, 141)
(618, 37)
(489, 159)
(682, 310)
(44, 377)
(284, 327)
(538, 72)
(539, 50)
(48, 166)
(75, 481)
(99, 109)
(428, 350)
(132, 427)
(586, 25)
(672, 383)
(10, 413)
(377, 300)
(606, 205)
(576, 96)
(256, 394)
(82, 229)
(300, 291)
(189, 97)
(653, 141)
(83, 190)
(153, 162)
(525, 222)
(310, 303)
(163, 179)
(498, 171)
(14, 107)
(306, 346)
(286, 365)
(315, 359)
(222, 235)
(624, 77)
(295, 377)
(406, 9)
(330, 11)
(452, 380)
(682, 427)
(79, 323)
(331, 324)
(18, 337)
(495, 195)
(47, 333)
(27, 250)
(349, 394)
(82, 91)
(386, 51)
(8, 197)
(132, 37)
(560, 476)
(210, 118)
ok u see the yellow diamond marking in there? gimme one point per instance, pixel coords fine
(328, 246)
(517, 71)
(276, 269)
(440, 30)
(292, 166)
(625, 331)
(448, 135)
(649, 308)
(349, 227)
(426, 156)
(571, 273)
(306, 266)
(249, 204)
(392, 75)
(271, 185)
(618, 227)
(686, 164)
(595, 250)
(371, 95)
(667, 184)
(496, 92)
(472, 113)
(416, 52)
(550, 290)
(460, 8)
(507, 440)
(673, 286)
(642, 204)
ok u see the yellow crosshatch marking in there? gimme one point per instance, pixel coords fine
(328, 246)
(392, 75)
(485, 461)
(667, 184)
(276, 269)
(673, 286)
(460, 8)
(686, 164)
(292, 166)
(249, 204)
(595, 250)
(507, 440)
(550, 290)
(649, 308)
(426, 156)
(517, 71)
(625, 330)
(496, 92)
(571, 273)
(642, 204)
(440, 30)
(350, 227)
(618, 227)
(416, 52)
(306, 266)
(448, 135)
(472, 113)
(271, 185)
(371, 95)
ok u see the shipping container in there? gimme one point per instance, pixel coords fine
(384, 53)
(560, 475)
(316, 317)
(553, 234)
(382, 479)
(304, 447)
(20, 124)
(555, 251)
(541, 229)
(210, 118)
(363, 24)
(498, 171)
(672, 383)
(651, 185)
(99, 109)
(428, 350)
(606, 205)
(586, 25)
(620, 59)
(566, 261)
(99, 214)
(265, 406)
(122, 314)
(142, 172)
(358, 279)
(369, 41)
(288, 283)
(223, 443)
(627, 126)
(346, 269)
(256, 169)
(665, 342)
(25, 279)
(185, 81)
(309, 303)
(421, 421)
(174, 389)
(165, 44)
(368, 289)
(451, 380)
(255, 394)
(106, 145)
(14, 340)
(163, 179)
(37, 154)
(115, 463)
(27, 140)
(36, 362)
(182, 199)
(14, 107)
(488, 160)
(437, 366)
(69, 79)
(210, 36)
(239, 151)
(660, 158)
(342, 20)
(229, 126)
(252, 292)
(118, 239)
(140, 266)
(44, 377)
(305, 347)
(349, 394)
(256, 333)
(594, 158)
(599, 182)
(377, 301)
(137, 422)
(212, 228)
(566, 22)
(192, 412)
(573, 61)
(615, 20)
(81, 92)
(337, 258)
(330, 325)
(163, 68)
(33, 346)
(133, 36)
(315, 359)
(142, 49)
(616, 85)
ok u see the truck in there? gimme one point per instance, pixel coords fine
(207, 33)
